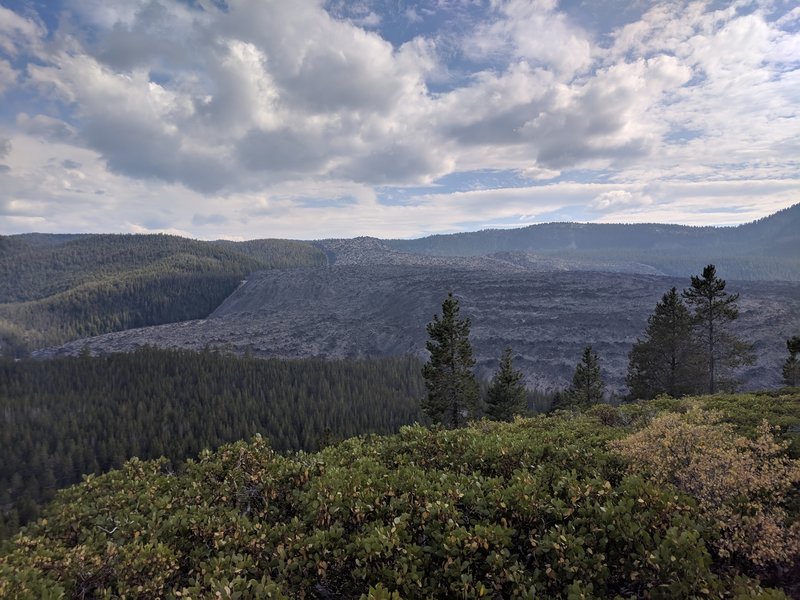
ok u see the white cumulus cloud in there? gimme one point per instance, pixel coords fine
(292, 115)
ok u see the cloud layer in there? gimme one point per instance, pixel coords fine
(255, 118)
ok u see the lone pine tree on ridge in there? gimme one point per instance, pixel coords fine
(665, 361)
(714, 311)
(452, 389)
(507, 394)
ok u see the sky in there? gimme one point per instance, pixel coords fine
(310, 119)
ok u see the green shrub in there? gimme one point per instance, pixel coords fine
(741, 484)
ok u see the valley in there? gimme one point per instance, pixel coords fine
(148, 346)
(329, 300)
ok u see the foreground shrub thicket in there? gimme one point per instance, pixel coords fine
(538, 508)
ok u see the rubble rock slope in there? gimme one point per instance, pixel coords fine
(366, 310)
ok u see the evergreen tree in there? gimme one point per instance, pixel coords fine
(714, 310)
(507, 395)
(664, 362)
(558, 400)
(452, 388)
(791, 368)
(587, 383)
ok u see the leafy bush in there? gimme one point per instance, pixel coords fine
(741, 484)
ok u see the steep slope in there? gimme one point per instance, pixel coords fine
(59, 287)
(379, 310)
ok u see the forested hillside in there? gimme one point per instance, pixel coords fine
(54, 288)
(72, 416)
(276, 254)
(763, 249)
(665, 499)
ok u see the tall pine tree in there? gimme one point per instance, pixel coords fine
(587, 383)
(665, 361)
(791, 368)
(507, 394)
(714, 310)
(452, 389)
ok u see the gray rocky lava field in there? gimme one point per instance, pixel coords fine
(368, 310)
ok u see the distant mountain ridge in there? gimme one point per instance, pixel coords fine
(768, 248)
(777, 235)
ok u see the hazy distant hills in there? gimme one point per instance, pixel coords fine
(775, 235)
(765, 249)
(768, 249)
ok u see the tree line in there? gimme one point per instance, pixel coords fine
(35, 266)
(688, 348)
